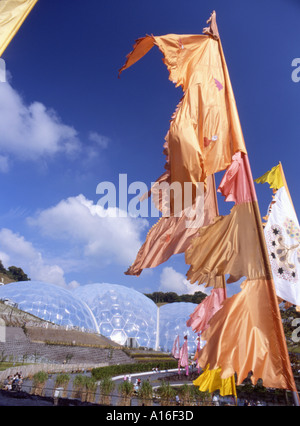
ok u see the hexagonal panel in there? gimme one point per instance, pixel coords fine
(119, 336)
(127, 310)
(106, 329)
(50, 302)
(173, 318)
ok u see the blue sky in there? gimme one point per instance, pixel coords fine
(68, 123)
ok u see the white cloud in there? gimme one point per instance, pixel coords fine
(101, 141)
(94, 234)
(16, 250)
(30, 132)
(171, 280)
(83, 239)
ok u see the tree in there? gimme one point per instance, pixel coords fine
(17, 274)
(171, 297)
(2, 269)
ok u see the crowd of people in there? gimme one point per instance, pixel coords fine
(13, 383)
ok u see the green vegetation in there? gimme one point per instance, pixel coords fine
(106, 388)
(117, 370)
(40, 377)
(62, 380)
(171, 297)
(145, 393)
(166, 393)
(39, 380)
(84, 387)
(126, 390)
(154, 357)
(13, 273)
(5, 365)
(78, 385)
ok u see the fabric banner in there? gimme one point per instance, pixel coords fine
(171, 235)
(229, 246)
(282, 234)
(247, 335)
(202, 314)
(12, 15)
(205, 137)
(236, 185)
(210, 380)
(205, 131)
(176, 348)
(183, 360)
(273, 177)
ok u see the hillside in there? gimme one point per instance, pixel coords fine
(67, 337)
(11, 274)
(4, 279)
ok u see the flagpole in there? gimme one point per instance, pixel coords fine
(286, 185)
(213, 30)
(269, 277)
(294, 393)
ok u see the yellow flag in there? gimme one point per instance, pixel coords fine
(273, 177)
(12, 15)
(210, 380)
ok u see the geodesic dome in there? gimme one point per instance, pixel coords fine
(121, 312)
(49, 302)
(172, 323)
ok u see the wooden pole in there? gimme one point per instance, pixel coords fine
(294, 393)
(286, 185)
(272, 290)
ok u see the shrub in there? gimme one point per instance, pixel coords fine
(39, 380)
(126, 390)
(90, 387)
(40, 377)
(62, 380)
(78, 385)
(117, 370)
(106, 387)
(145, 393)
(167, 393)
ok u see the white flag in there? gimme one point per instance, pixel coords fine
(282, 233)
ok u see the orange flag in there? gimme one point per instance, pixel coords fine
(230, 245)
(246, 335)
(204, 132)
(205, 137)
(170, 235)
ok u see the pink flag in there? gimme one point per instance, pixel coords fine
(201, 316)
(184, 357)
(235, 185)
(175, 350)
